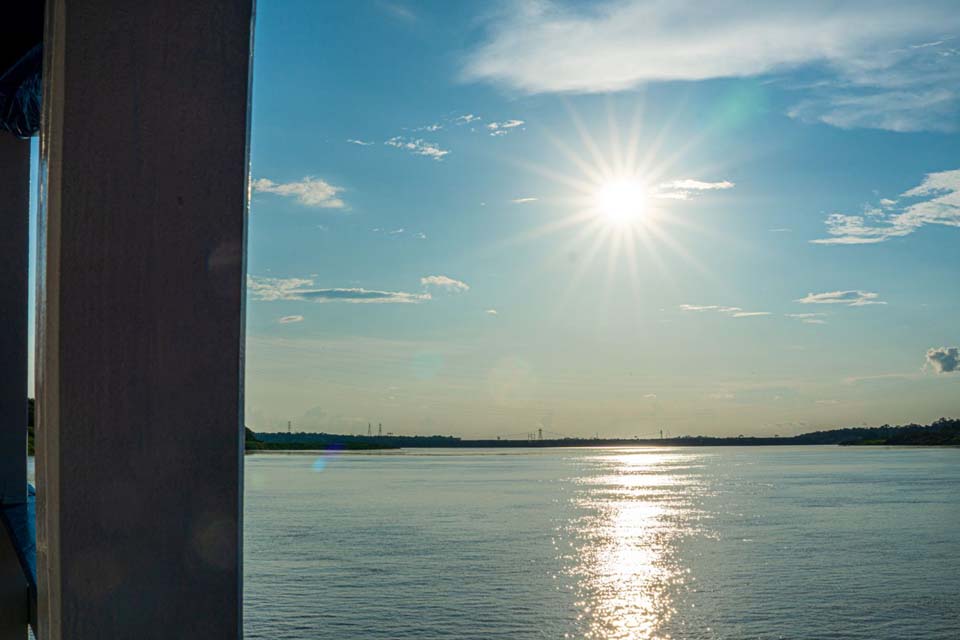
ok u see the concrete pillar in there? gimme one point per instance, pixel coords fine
(144, 169)
(14, 221)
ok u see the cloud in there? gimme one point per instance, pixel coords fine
(808, 318)
(880, 377)
(697, 185)
(270, 289)
(420, 235)
(864, 59)
(290, 319)
(445, 283)
(781, 230)
(944, 359)
(650, 396)
(855, 298)
(685, 189)
(523, 200)
(491, 312)
(936, 200)
(398, 11)
(733, 312)
(903, 111)
(311, 192)
(467, 118)
(418, 147)
(436, 126)
(262, 288)
(362, 143)
(503, 128)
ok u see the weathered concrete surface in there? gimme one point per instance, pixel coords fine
(144, 172)
(14, 223)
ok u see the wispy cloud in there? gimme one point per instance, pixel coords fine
(852, 298)
(881, 377)
(523, 200)
(445, 283)
(697, 185)
(466, 118)
(876, 65)
(936, 200)
(398, 11)
(362, 143)
(264, 288)
(290, 319)
(418, 146)
(944, 359)
(271, 289)
(503, 128)
(808, 318)
(310, 192)
(733, 312)
(491, 312)
(685, 189)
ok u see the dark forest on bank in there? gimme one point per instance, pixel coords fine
(940, 433)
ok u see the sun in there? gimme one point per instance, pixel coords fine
(621, 202)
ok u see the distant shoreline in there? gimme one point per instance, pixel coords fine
(944, 432)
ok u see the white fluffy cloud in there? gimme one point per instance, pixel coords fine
(936, 200)
(852, 298)
(944, 359)
(445, 283)
(733, 312)
(862, 54)
(418, 146)
(270, 289)
(311, 192)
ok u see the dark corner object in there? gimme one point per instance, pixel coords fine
(20, 521)
(21, 62)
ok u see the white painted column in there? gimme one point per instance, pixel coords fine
(144, 167)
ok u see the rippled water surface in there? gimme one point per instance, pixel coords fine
(785, 542)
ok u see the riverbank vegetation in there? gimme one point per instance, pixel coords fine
(943, 432)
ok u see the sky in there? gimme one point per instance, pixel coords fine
(610, 218)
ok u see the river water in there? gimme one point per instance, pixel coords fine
(751, 542)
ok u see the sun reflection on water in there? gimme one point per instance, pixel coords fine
(625, 566)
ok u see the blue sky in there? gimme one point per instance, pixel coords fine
(433, 243)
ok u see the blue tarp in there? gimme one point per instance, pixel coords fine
(20, 521)
(21, 95)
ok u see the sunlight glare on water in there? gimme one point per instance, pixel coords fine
(628, 544)
(625, 568)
